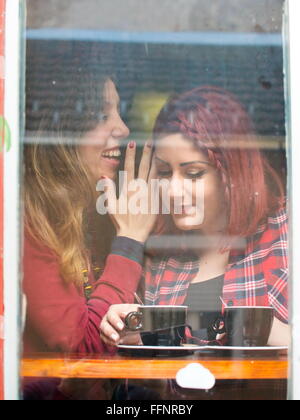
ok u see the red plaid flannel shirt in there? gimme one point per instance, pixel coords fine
(255, 276)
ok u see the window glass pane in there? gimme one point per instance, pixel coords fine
(155, 226)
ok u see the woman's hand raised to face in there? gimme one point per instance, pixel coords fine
(130, 220)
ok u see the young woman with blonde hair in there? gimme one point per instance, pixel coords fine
(68, 282)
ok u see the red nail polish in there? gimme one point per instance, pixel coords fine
(132, 145)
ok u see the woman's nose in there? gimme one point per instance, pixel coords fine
(181, 191)
(120, 130)
(176, 189)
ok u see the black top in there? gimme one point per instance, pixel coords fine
(205, 307)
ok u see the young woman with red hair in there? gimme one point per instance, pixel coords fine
(237, 251)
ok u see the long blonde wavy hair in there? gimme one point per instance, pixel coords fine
(58, 189)
(57, 194)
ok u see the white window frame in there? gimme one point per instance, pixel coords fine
(12, 214)
(293, 124)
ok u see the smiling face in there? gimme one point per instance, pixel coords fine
(177, 159)
(100, 147)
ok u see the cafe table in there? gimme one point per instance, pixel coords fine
(224, 367)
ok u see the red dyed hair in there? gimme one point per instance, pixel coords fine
(221, 128)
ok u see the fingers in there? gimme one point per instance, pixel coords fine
(112, 326)
(146, 161)
(108, 333)
(153, 170)
(115, 321)
(145, 164)
(129, 166)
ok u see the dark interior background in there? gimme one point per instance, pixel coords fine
(253, 73)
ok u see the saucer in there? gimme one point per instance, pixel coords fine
(151, 351)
